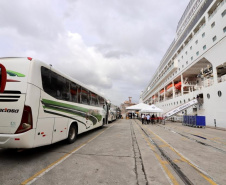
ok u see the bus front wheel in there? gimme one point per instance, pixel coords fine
(72, 134)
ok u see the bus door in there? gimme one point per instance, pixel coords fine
(106, 108)
(60, 129)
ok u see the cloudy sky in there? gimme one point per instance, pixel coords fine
(114, 46)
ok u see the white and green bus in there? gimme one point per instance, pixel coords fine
(40, 105)
(112, 114)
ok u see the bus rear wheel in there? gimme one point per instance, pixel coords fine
(72, 134)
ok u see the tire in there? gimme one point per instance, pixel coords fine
(72, 134)
(102, 126)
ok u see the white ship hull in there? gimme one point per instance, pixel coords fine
(199, 62)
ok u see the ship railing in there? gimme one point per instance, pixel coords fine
(179, 108)
(215, 10)
(177, 94)
(190, 83)
(197, 87)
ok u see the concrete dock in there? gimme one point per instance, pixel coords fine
(123, 152)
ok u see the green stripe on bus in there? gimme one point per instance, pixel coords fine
(80, 114)
(58, 106)
(65, 105)
(14, 73)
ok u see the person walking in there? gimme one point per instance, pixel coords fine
(153, 119)
(142, 118)
(148, 119)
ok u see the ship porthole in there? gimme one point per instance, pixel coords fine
(219, 93)
(208, 96)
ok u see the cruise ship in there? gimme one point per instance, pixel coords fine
(194, 66)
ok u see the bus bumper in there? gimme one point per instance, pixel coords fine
(23, 140)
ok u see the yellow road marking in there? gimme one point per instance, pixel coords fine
(184, 159)
(61, 159)
(163, 146)
(162, 162)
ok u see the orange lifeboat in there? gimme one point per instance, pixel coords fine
(169, 89)
(178, 86)
(161, 92)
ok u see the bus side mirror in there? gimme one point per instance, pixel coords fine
(2, 78)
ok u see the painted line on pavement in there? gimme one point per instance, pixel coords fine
(200, 171)
(163, 163)
(60, 160)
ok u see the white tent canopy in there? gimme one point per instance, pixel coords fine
(151, 108)
(138, 106)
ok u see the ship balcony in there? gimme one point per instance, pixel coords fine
(221, 73)
(164, 74)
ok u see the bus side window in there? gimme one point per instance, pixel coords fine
(46, 81)
(74, 92)
(79, 94)
(101, 101)
(93, 99)
(65, 90)
(55, 87)
(85, 97)
(60, 86)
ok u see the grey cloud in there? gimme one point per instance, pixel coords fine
(114, 46)
(116, 54)
(110, 52)
(30, 19)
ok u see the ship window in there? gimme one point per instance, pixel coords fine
(203, 35)
(184, 101)
(196, 41)
(191, 48)
(191, 58)
(208, 96)
(219, 93)
(186, 52)
(182, 66)
(187, 62)
(213, 24)
(204, 47)
(182, 57)
(197, 53)
(214, 38)
(224, 30)
(223, 13)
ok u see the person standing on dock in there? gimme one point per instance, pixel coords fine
(142, 118)
(153, 119)
(148, 119)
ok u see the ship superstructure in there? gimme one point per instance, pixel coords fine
(194, 66)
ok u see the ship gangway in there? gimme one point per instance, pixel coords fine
(178, 109)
